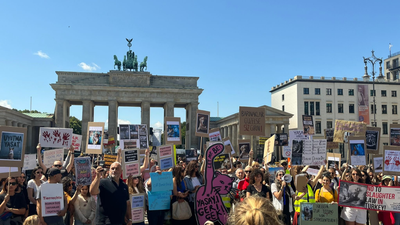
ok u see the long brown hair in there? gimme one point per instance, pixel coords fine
(140, 186)
(176, 172)
(360, 179)
(5, 186)
(191, 167)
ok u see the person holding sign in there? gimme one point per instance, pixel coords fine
(33, 186)
(57, 164)
(136, 187)
(12, 204)
(305, 195)
(282, 195)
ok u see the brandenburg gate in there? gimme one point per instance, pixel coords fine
(125, 88)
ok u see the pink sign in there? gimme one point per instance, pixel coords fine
(76, 142)
(52, 207)
(132, 169)
(137, 215)
(166, 151)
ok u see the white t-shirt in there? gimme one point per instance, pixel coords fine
(195, 182)
(278, 204)
(32, 184)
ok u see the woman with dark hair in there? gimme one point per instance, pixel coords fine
(180, 191)
(21, 180)
(193, 180)
(33, 186)
(67, 187)
(387, 218)
(365, 177)
(256, 186)
(135, 187)
(85, 207)
(12, 203)
(282, 195)
(326, 193)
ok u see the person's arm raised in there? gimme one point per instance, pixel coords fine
(71, 159)
(94, 186)
(39, 158)
(146, 161)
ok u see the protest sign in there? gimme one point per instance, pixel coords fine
(173, 127)
(329, 139)
(372, 137)
(83, 171)
(190, 154)
(137, 215)
(244, 150)
(357, 150)
(166, 156)
(108, 160)
(314, 152)
(222, 161)
(135, 133)
(318, 213)
(228, 146)
(357, 129)
(300, 181)
(272, 171)
(55, 137)
(215, 135)
(160, 200)
(29, 162)
(52, 199)
(252, 121)
(377, 162)
(50, 156)
(5, 172)
(137, 205)
(161, 182)
(367, 196)
(262, 140)
(333, 159)
(269, 148)
(287, 152)
(281, 139)
(12, 146)
(312, 171)
(202, 123)
(128, 144)
(391, 160)
(297, 135)
(308, 125)
(395, 134)
(94, 143)
(130, 162)
(76, 142)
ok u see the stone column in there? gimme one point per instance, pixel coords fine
(237, 138)
(169, 109)
(272, 129)
(59, 113)
(14, 123)
(87, 116)
(112, 118)
(191, 139)
(230, 132)
(145, 114)
(19, 125)
(3, 122)
(29, 148)
(9, 123)
(234, 135)
(286, 128)
(225, 129)
(66, 108)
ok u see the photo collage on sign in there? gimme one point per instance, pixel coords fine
(134, 135)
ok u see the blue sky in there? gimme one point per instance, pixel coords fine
(239, 49)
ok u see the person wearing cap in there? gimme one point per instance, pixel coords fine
(284, 164)
(387, 218)
(54, 177)
(57, 164)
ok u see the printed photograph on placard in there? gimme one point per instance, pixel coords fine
(357, 151)
(143, 129)
(352, 194)
(372, 136)
(297, 152)
(378, 164)
(190, 155)
(124, 132)
(395, 134)
(133, 131)
(244, 150)
(308, 125)
(202, 123)
(11, 146)
(173, 131)
(95, 135)
(307, 211)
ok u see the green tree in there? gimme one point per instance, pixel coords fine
(27, 111)
(75, 124)
(183, 135)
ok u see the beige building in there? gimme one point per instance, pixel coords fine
(392, 67)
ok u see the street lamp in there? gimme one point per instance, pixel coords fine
(366, 76)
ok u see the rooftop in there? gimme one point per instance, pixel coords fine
(214, 119)
(39, 115)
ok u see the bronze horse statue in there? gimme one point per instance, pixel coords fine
(117, 62)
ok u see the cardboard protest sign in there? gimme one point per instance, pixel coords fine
(5, 172)
(52, 199)
(215, 135)
(269, 148)
(202, 123)
(377, 162)
(55, 137)
(312, 171)
(76, 142)
(94, 143)
(228, 146)
(130, 162)
(208, 202)
(333, 159)
(83, 170)
(357, 129)
(367, 196)
(272, 171)
(314, 152)
(166, 156)
(300, 182)
(395, 134)
(161, 182)
(281, 139)
(244, 150)
(137, 205)
(372, 137)
(29, 162)
(160, 200)
(329, 139)
(50, 156)
(128, 144)
(135, 133)
(391, 160)
(252, 121)
(308, 125)
(173, 127)
(357, 150)
(108, 160)
(222, 161)
(318, 213)
(287, 152)
(12, 146)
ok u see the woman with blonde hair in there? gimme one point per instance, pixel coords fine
(32, 220)
(254, 210)
(136, 187)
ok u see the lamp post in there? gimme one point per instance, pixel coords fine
(373, 59)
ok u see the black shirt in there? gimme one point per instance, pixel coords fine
(112, 202)
(17, 201)
(264, 191)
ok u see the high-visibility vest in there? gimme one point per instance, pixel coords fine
(287, 172)
(309, 197)
(226, 200)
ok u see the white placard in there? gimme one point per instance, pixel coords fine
(55, 137)
(314, 152)
(392, 161)
(357, 152)
(50, 156)
(215, 136)
(228, 142)
(287, 152)
(52, 199)
(29, 162)
(378, 164)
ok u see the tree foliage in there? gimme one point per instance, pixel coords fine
(27, 111)
(75, 124)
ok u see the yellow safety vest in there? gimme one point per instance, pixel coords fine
(311, 198)
(287, 172)
(226, 200)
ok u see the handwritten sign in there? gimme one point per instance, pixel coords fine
(55, 137)
(137, 215)
(76, 142)
(318, 213)
(314, 152)
(161, 182)
(29, 162)
(52, 199)
(109, 159)
(252, 121)
(165, 155)
(215, 135)
(269, 148)
(357, 129)
(159, 200)
(165, 151)
(52, 155)
(83, 170)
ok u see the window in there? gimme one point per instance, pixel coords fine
(318, 127)
(317, 91)
(351, 92)
(340, 108)
(283, 97)
(396, 75)
(372, 109)
(306, 91)
(384, 109)
(388, 75)
(394, 93)
(340, 91)
(372, 92)
(328, 124)
(395, 63)
(328, 91)
(394, 109)
(305, 108)
(312, 108)
(328, 107)
(351, 108)
(383, 93)
(283, 108)
(317, 108)
(387, 64)
(384, 128)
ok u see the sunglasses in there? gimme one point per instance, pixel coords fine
(58, 165)
(280, 175)
(247, 171)
(355, 174)
(70, 184)
(39, 172)
(13, 183)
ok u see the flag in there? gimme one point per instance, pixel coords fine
(390, 47)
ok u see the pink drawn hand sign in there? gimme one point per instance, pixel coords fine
(55, 137)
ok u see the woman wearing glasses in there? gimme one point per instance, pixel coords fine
(33, 186)
(12, 204)
(282, 195)
(354, 216)
(243, 184)
(136, 187)
(180, 191)
(193, 180)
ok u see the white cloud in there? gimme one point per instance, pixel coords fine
(41, 54)
(158, 125)
(87, 67)
(5, 103)
(119, 122)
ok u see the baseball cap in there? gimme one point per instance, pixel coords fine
(386, 177)
(53, 171)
